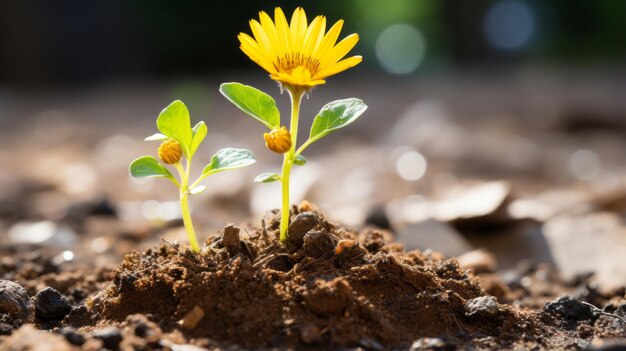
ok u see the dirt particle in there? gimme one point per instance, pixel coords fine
(319, 244)
(230, 239)
(14, 302)
(300, 225)
(192, 318)
(50, 305)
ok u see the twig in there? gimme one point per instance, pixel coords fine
(604, 313)
(174, 245)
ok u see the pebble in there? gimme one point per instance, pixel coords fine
(230, 239)
(300, 225)
(589, 243)
(319, 243)
(72, 336)
(570, 309)
(428, 344)
(192, 318)
(478, 261)
(435, 235)
(50, 305)
(484, 305)
(110, 337)
(14, 301)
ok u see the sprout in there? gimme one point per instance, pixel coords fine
(299, 57)
(180, 140)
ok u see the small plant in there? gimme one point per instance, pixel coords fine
(178, 140)
(299, 56)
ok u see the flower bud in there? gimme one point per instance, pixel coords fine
(170, 151)
(278, 140)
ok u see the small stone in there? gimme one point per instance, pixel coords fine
(110, 337)
(319, 243)
(14, 301)
(484, 305)
(50, 305)
(569, 239)
(428, 344)
(230, 239)
(478, 261)
(570, 309)
(72, 336)
(192, 318)
(435, 235)
(300, 225)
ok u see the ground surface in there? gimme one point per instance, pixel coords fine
(513, 188)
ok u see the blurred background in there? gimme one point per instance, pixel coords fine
(492, 124)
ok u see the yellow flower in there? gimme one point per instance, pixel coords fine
(298, 54)
(278, 140)
(170, 152)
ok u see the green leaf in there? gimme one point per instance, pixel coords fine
(174, 122)
(229, 158)
(197, 190)
(199, 132)
(148, 166)
(266, 178)
(156, 137)
(299, 160)
(254, 102)
(334, 116)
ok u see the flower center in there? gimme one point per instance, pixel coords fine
(289, 62)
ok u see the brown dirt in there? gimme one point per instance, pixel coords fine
(327, 288)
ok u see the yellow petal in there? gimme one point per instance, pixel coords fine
(255, 56)
(298, 28)
(282, 29)
(328, 42)
(341, 49)
(314, 35)
(338, 67)
(261, 37)
(270, 31)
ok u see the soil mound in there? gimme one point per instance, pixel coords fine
(327, 287)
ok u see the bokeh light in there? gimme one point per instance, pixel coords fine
(509, 25)
(400, 48)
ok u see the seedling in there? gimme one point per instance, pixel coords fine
(299, 56)
(178, 140)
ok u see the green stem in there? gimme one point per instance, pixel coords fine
(184, 205)
(296, 97)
